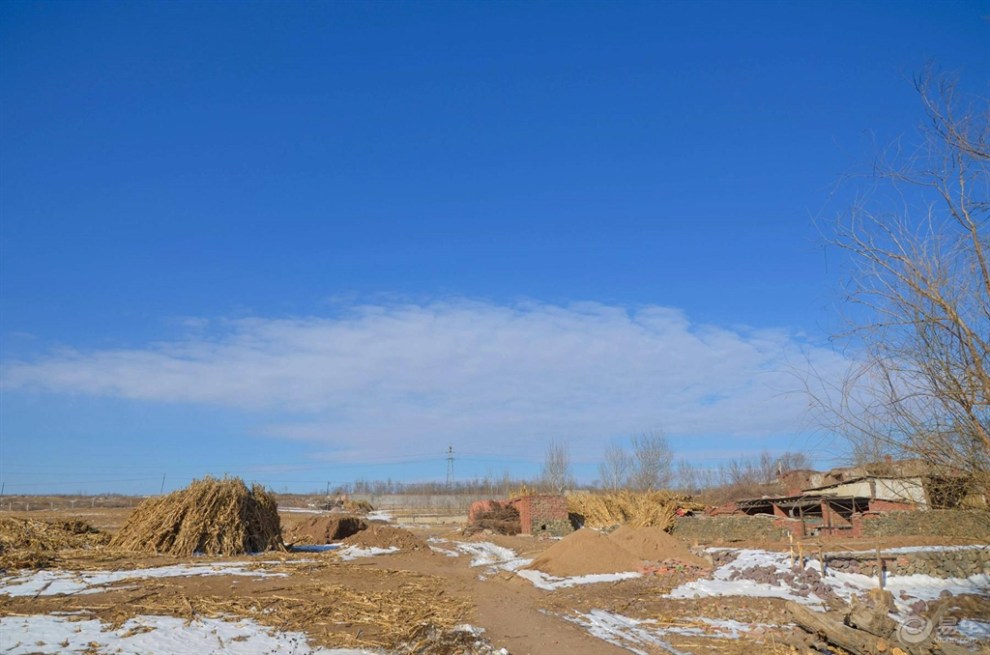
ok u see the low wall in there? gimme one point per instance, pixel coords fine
(944, 563)
(704, 529)
(973, 524)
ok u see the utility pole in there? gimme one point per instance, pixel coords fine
(450, 466)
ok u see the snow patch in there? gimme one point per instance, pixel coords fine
(50, 583)
(730, 580)
(355, 552)
(549, 582)
(152, 635)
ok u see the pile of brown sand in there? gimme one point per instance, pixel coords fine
(319, 530)
(212, 517)
(386, 536)
(30, 544)
(655, 545)
(585, 552)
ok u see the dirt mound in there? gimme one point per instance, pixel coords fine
(386, 536)
(585, 552)
(212, 517)
(29, 544)
(319, 530)
(655, 545)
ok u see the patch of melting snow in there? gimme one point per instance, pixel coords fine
(974, 629)
(498, 558)
(50, 583)
(355, 552)
(549, 582)
(634, 634)
(152, 635)
(624, 632)
(443, 551)
(485, 553)
(380, 515)
(730, 580)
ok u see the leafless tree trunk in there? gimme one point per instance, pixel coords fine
(614, 469)
(920, 297)
(653, 461)
(556, 467)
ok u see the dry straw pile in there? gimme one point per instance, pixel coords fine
(212, 517)
(29, 544)
(637, 509)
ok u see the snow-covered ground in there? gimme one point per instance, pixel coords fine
(355, 552)
(52, 582)
(497, 558)
(380, 515)
(151, 635)
(730, 580)
(636, 634)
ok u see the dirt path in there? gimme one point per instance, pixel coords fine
(509, 608)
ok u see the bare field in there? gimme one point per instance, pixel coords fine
(430, 590)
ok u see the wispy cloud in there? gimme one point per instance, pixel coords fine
(389, 378)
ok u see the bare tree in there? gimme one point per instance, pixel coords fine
(919, 290)
(556, 475)
(614, 469)
(652, 457)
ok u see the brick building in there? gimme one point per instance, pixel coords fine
(543, 514)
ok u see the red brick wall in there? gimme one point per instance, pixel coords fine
(535, 511)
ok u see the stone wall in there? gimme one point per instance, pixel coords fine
(974, 524)
(944, 563)
(707, 529)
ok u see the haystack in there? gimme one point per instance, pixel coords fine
(30, 544)
(212, 517)
(639, 509)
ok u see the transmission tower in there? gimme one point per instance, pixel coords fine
(450, 465)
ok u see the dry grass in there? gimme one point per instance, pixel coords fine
(638, 509)
(212, 517)
(396, 611)
(30, 544)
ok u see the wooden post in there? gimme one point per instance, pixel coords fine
(880, 580)
(821, 558)
(790, 537)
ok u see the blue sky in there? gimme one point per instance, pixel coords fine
(308, 242)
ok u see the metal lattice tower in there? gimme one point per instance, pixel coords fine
(450, 465)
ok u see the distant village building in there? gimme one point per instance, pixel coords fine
(842, 498)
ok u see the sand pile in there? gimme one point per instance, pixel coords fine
(386, 536)
(212, 517)
(29, 544)
(655, 545)
(319, 530)
(585, 552)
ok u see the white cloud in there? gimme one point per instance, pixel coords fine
(390, 378)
